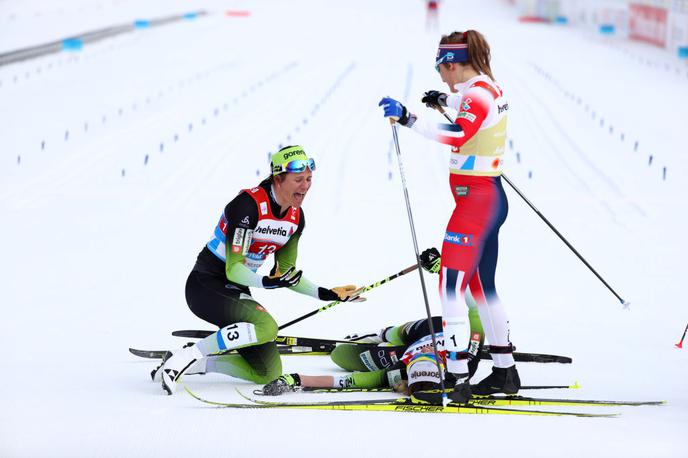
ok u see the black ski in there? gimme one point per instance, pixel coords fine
(151, 354)
(575, 386)
(520, 357)
(283, 340)
(283, 350)
(192, 334)
(322, 344)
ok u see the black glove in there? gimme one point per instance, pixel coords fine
(434, 99)
(405, 116)
(290, 278)
(282, 384)
(430, 260)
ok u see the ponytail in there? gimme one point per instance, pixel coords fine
(478, 49)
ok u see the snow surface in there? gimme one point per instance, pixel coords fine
(104, 212)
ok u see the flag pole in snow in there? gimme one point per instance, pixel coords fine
(554, 229)
(680, 344)
(445, 399)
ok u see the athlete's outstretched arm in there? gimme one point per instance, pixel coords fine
(474, 108)
(373, 379)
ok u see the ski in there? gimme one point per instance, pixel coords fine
(192, 334)
(285, 351)
(435, 397)
(314, 342)
(151, 354)
(325, 344)
(390, 390)
(520, 357)
(283, 340)
(346, 390)
(387, 405)
(528, 401)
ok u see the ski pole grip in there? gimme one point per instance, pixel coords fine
(444, 112)
(409, 269)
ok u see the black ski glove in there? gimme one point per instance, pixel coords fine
(430, 260)
(282, 384)
(290, 278)
(434, 99)
(405, 117)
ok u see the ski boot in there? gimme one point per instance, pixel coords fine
(156, 373)
(177, 365)
(283, 384)
(198, 368)
(364, 339)
(369, 338)
(501, 380)
(461, 394)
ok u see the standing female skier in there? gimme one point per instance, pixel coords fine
(469, 250)
(258, 222)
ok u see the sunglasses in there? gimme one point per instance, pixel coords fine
(441, 60)
(297, 166)
(451, 53)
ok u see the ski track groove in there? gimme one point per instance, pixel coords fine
(215, 143)
(543, 134)
(575, 147)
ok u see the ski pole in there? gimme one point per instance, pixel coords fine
(680, 344)
(363, 290)
(554, 229)
(445, 399)
(198, 334)
(290, 341)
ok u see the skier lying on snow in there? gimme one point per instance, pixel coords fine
(384, 365)
(415, 370)
(381, 365)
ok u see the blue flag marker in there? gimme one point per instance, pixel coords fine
(72, 44)
(607, 29)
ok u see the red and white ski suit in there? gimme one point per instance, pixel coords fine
(470, 247)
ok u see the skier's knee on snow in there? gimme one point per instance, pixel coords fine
(266, 329)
